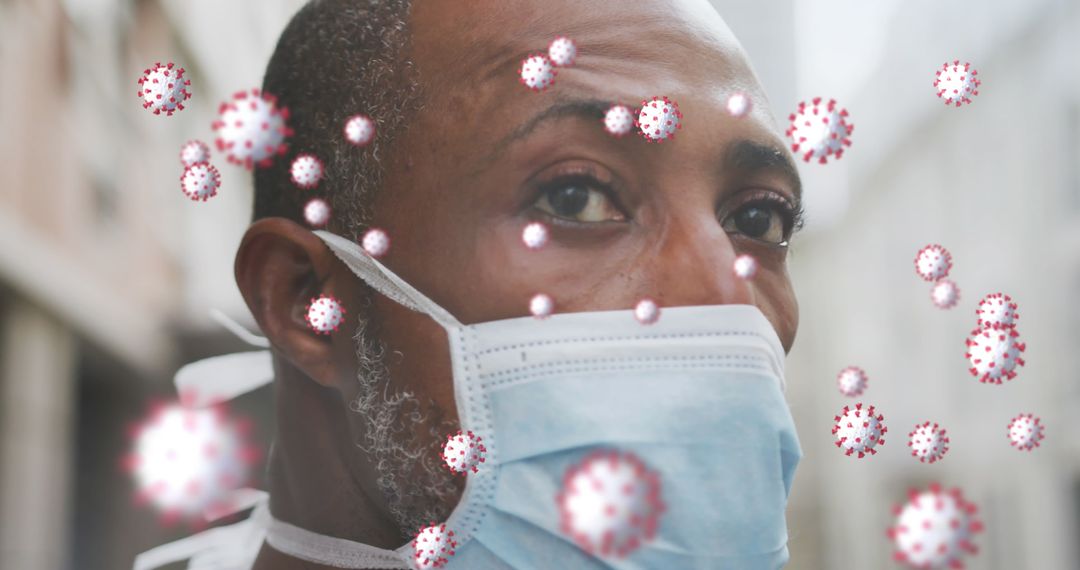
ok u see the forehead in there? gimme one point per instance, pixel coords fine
(628, 50)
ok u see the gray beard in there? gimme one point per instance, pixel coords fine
(415, 484)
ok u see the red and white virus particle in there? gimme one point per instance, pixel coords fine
(200, 181)
(541, 305)
(956, 83)
(562, 51)
(306, 171)
(819, 130)
(739, 105)
(359, 130)
(658, 119)
(164, 88)
(745, 266)
(317, 212)
(252, 129)
(928, 442)
(859, 431)
(619, 120)
(945, 294)
(934, 529)
(610, 503)
(464, 452)
(933, 262)
(187, 460)
(535, 235)
(537, 72)
(1025, 432)
(194, 152)
(376, 242)
(324, 314)
(852, 381)
(433, 546)
(647, 311)
(994, 353)
(997, 309)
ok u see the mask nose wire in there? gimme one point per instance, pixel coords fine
(380, 278)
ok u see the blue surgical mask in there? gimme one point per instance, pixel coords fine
(693, 401)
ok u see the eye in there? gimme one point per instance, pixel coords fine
(766, 220)
(580, 199)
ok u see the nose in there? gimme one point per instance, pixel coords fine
(692, 263)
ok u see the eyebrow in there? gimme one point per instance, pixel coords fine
(754, 156)
(745, 154)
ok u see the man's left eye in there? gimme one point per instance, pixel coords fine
(761, 220)
(578, 200)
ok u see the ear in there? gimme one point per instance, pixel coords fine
(280, 266)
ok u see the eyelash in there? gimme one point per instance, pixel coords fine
(794, 215)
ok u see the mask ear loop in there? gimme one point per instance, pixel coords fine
(380, 278)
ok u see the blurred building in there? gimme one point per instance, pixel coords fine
(107, 270)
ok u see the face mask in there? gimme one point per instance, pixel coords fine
(685, 416)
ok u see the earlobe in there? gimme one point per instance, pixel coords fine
(280, 267)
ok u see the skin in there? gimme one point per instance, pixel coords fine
(455, 212)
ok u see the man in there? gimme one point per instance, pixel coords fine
(464, 157)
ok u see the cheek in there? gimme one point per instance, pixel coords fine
(775, 296)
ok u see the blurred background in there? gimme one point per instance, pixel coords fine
(108, 272)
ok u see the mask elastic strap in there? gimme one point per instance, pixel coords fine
(329, 550)
(380, 278)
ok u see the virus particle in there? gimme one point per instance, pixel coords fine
(647, 311)
(928, 442)
(562, 51)
(376, 242)
(610, 503)
(1025, 432)
(317, 212)
(324, 314)
(956, 83)
(739, 105)
(859, 431)
(997, 309)
(934, 529)
(186, 460)
(618, 120)
(194, 152)
(535, 235)
(541, 305)
(306, 171)
(745, 266)
(537, 72)
(945, 294)
(852, 381)
(433, 546)
(359, 130)
(164, 88)
(252, 129)
(819, 130)
(200, 181)
(464, 452)
(658, 119)
(933, 262)
(994, 353)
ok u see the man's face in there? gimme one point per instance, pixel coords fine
(627, 219)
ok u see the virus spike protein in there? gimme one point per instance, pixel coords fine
(994, 353)
(819, 131)
(252, 129)
(610, 503)
(859, 431)
(934, 529)
(164, 88)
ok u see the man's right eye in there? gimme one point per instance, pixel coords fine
(578, 199)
